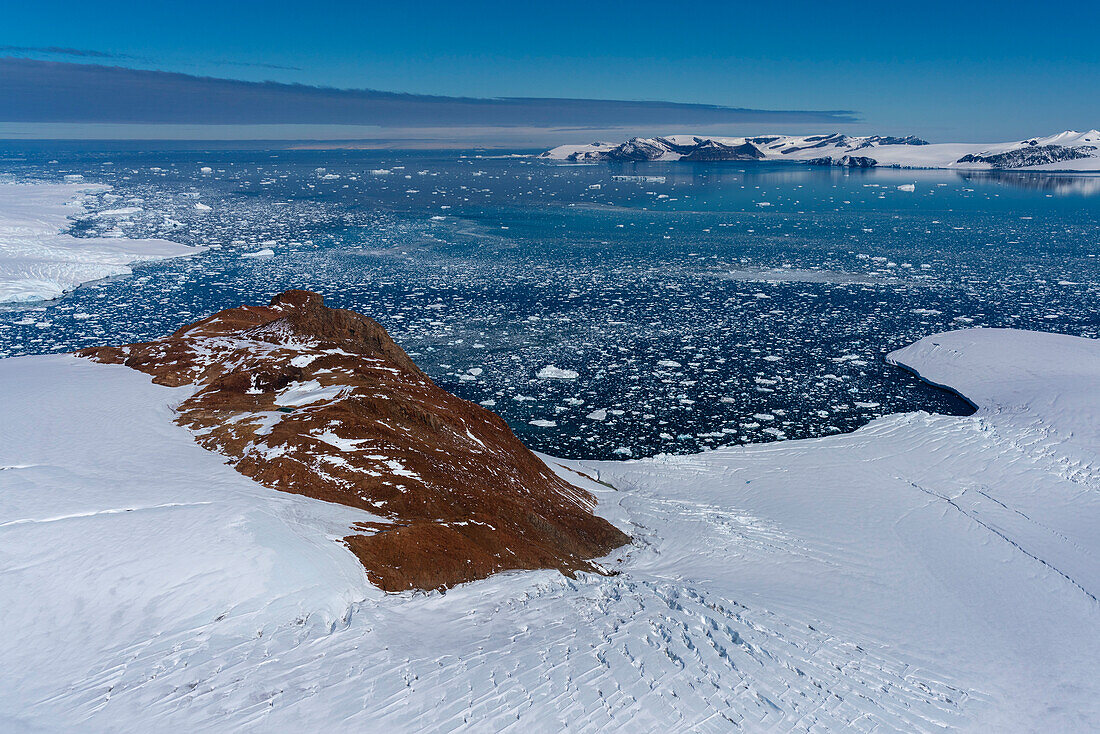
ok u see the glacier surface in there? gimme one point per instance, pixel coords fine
(920, 574)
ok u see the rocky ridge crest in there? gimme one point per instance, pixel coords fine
(321, 402)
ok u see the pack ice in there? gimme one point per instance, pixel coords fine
(924, 573)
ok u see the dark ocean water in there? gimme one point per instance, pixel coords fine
(705, 305)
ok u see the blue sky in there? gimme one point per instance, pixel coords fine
(946, 71)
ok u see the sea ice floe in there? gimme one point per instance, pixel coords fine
(550, 372)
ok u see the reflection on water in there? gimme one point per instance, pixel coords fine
(701, 305)
(1081, 184)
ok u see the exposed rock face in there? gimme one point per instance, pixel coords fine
(638, 149)
(1081, 150)
(319, 401)
(1033, 155)
(713, 151)
(890, 140)
(836, 140)
(586, 157)
(695, 148)
(846, 161)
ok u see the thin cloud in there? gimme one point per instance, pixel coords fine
(258, 65)
(87, 53)
(50, 91)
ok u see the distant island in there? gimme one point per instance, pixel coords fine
(1067, 151)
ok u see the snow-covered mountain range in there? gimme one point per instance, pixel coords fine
(1067, 151)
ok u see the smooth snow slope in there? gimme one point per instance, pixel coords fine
(923, 573)
(966, 547)
(38, 262)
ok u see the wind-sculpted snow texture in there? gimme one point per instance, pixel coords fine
(1069, 150)
(920, 574)
(321, 402)
(38, 261)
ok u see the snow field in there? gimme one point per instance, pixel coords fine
(922, 573)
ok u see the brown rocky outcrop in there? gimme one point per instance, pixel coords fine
(321, 402)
